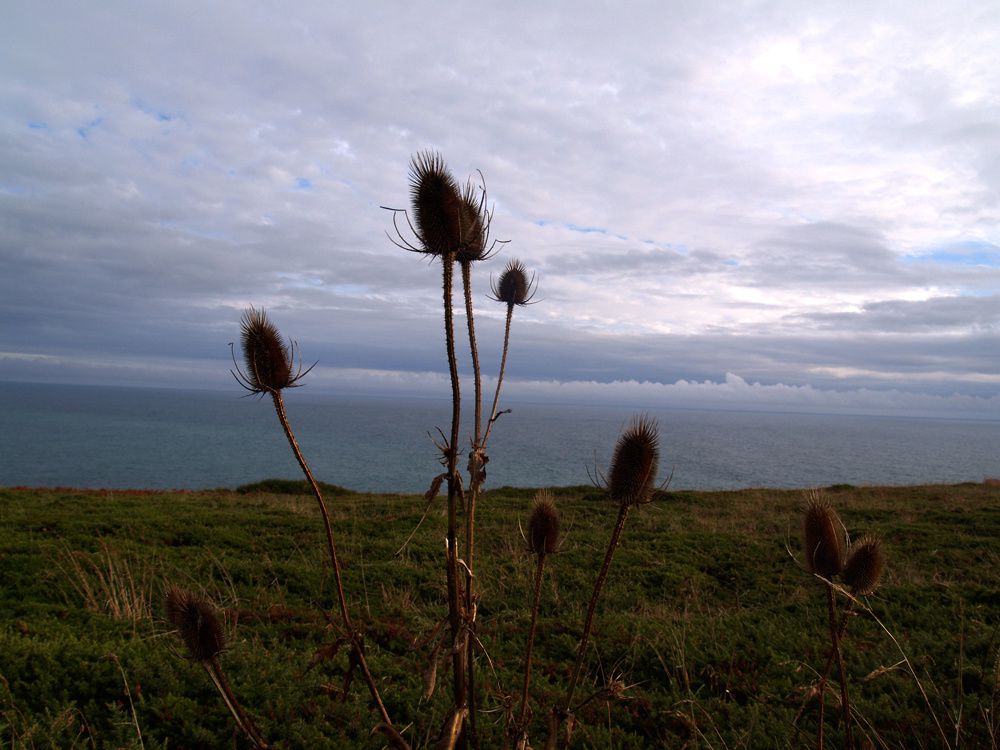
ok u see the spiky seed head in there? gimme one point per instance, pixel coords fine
(196, 623)
(513, 286)
(543, 525)
(448, 219)
(267, 359)
(634, 463)
(864, 567)
(823, 546)
(473, 227)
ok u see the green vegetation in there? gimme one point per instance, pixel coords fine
(707, 633)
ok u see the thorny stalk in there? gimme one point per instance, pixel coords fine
(841, 632)
(523, 710)
(838, 654)
(359, 653)
(454, 606)
(476, 470)
(503, 365)
(242, 719)
(591, 607)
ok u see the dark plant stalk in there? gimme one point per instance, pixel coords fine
(841, 632)
(279, 407)
(531, 640)
(503, 365)
(475, 482)
(243, 721)
(592, 606)
(835, 639)
(454, 607)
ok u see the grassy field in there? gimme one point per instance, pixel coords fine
(713, 631)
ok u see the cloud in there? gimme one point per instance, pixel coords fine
(803, 195)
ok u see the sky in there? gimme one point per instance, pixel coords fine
(781, 204)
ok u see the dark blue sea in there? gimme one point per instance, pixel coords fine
(86, 436)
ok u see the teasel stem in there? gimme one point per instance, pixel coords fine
(454, 615)
(503, 365)
(243, 721)
(592, 606)
(539, 567)
(475, 484)
(279, 407)
(841, 632)
(835, 638)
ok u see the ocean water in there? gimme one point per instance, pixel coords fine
(85, 436)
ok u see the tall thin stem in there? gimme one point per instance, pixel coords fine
(243, 721)
(470, 320)
(503, 365)
(454, 606)
(531, 640)
(279, 407)
(592, 606)
(841, 632)
(835, 638)
(475, 481)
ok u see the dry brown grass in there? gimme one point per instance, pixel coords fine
(108, 581)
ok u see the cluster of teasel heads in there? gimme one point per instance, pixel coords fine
(859, 567)
(451, 223)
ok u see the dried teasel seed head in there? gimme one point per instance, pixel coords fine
(268, 361)
(823, 546)
(513, 287)
(474, 223)
(543, 525)
(196, 623)
(864, 567)
(634, 463)
(448, 219)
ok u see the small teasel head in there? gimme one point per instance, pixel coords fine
(514, 287)
(475, 226)
(196, 623)
(632, 476)
(268, 361)
(543, 525)
(823, 545)
(864, 567)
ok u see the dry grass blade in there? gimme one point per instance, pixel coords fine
(109, 582)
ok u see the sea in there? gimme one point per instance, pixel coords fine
(145, 438)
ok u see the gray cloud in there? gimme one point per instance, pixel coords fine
(772, 185)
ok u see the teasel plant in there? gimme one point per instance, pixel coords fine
(823, 548)
(859, 566)
(269, 367)
(544, 538)
(198, 627)
(630, 481)
(452, 223)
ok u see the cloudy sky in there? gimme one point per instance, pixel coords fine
(782, 201)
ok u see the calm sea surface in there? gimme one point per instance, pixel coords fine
(82, 436)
